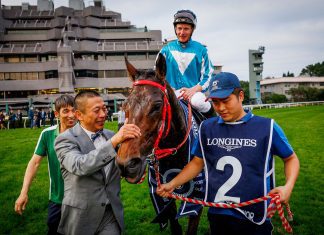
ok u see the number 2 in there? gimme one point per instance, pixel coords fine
(232, 181)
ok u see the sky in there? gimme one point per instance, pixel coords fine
(292, 31)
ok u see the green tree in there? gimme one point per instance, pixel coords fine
(245, 87)
(304, 93)
(313, 70)
(288, 74)
(274, 98)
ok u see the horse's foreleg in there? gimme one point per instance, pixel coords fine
(193, 222)
(175, 227)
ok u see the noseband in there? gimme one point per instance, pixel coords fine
(166, 121)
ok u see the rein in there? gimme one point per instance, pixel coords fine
(157, 152)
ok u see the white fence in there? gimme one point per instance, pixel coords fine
(282, 105)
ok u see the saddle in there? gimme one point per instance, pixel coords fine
(198, 116)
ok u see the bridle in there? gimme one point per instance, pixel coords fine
(157, 152)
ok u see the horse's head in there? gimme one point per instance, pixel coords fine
(143, 107)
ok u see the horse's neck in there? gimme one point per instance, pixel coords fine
(178, 119)
(178, 125)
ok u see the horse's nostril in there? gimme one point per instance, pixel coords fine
(134, 162)
(133, 167)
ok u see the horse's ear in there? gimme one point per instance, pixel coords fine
(132, 71)
(160, 67)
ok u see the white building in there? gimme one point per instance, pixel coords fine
(284, 84)
(46, 51)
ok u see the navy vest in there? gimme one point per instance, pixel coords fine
(238, 164)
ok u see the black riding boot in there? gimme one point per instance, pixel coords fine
(193, 222)
(175, 226)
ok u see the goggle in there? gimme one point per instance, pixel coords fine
(183, 20)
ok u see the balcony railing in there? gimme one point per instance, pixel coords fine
(82, 46)
(33, 13)
(31, 24)
(19, 48)
(109, 23)
(128, 46)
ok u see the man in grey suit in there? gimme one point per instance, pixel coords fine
(91, 203)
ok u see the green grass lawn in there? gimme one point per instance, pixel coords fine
(304, 127)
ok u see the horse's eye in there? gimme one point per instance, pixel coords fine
(156, 107)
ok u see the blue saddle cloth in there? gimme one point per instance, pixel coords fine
(192, 189)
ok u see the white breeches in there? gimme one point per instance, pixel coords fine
(198, 101)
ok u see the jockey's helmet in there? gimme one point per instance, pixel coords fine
(185, 17)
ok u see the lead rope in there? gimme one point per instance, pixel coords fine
(275, 204)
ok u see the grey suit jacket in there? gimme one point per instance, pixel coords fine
(91, 181)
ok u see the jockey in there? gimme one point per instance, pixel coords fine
(189, 68)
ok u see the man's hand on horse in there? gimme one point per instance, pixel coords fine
(127, 131)
(165, 190)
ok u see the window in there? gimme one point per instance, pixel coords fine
(32, 76)
(52, 58)
(30, 59)
(92, 73)
(101, 74)
(51, 74)
(23, 76)
(101, 57)
(86, 73)
(113, 57)
(15, 76)
(41, 75)
(13, 60)
(89, 57)
(7, 76)
(136, 56)
(116, 73)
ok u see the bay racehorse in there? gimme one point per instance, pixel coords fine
(164, 144)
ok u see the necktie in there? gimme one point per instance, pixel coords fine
(96, 135)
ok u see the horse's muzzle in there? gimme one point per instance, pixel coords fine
(133, 170)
